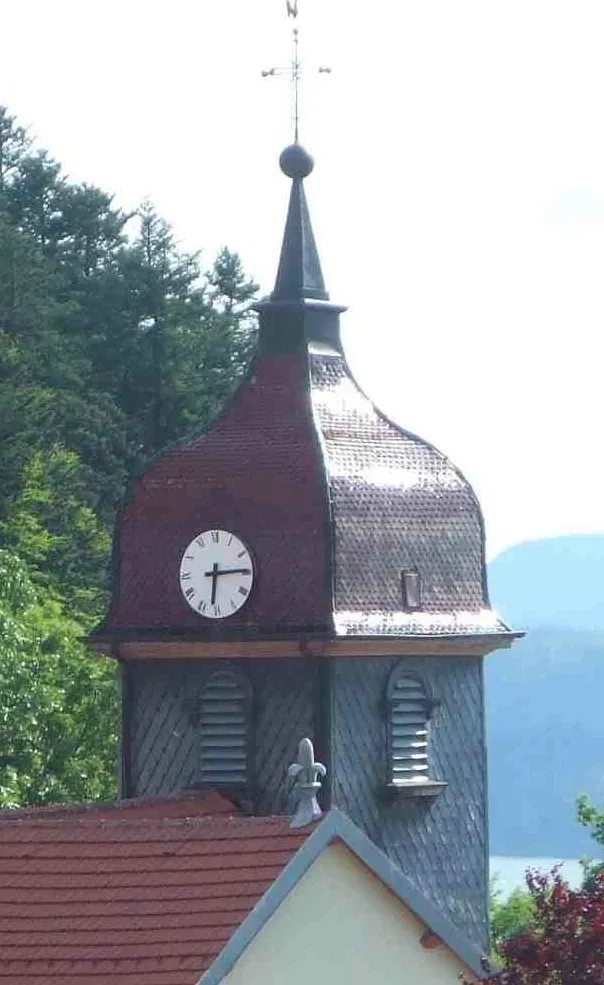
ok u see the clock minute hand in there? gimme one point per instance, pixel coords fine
(228, 571)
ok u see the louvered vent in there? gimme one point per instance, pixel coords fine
(222, 724)
(408, 731)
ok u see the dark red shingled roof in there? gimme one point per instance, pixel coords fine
(145, 893)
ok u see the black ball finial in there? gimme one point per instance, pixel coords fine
(296, 162)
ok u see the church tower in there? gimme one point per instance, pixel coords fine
(306, 568)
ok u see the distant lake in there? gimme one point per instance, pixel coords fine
(509, 871)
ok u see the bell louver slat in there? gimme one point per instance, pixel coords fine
(222, 726)
(408, 732)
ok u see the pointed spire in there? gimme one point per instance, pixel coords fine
(298, 312)
(299, 275)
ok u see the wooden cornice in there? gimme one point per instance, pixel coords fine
(386, 646)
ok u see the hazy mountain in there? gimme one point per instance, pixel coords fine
(555, 582)
(545, 696)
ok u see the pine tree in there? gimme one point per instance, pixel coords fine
(113, 342)
(14, 145)
(109, 346)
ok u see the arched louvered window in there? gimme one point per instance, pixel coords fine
(223, 731)
(409, 710)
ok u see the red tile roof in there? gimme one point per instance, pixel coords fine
(144, 893)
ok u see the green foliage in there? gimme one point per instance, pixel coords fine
(230, 289)
(509, 917)
(176, 342)
(564, 941)
(592, 818)
(548, 933)
(58, 705)
(14, 143)
(58, 535)
(113, 343)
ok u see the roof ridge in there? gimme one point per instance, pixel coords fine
(167, 821)
(200, 799)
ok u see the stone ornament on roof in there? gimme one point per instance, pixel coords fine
(306, 773)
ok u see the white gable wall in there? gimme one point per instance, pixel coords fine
(340, 924)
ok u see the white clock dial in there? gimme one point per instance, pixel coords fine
(216, 574)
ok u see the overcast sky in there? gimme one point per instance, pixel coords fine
(457, 200)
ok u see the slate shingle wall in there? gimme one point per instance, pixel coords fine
(440, 843)
(162, 740)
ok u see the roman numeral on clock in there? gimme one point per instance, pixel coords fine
(209, 567)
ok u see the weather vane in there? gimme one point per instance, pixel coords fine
(294, 70)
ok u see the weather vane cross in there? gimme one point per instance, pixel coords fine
(294, 70)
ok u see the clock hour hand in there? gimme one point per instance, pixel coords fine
(213, 574)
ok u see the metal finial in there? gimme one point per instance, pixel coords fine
(305, 774)
(294, 70)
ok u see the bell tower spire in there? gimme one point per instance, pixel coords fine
(299, 275)
(298, 312)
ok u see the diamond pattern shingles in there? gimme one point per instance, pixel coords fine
(285, 713)
(142, 892)
(439, 843)
(162, 746)
(163, 757)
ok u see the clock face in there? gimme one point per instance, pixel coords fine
(216, 574)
